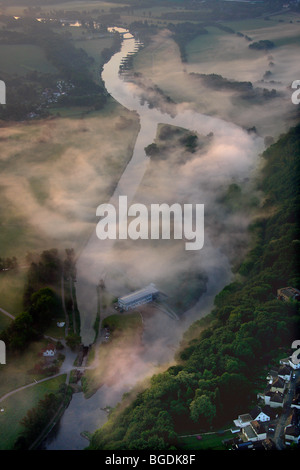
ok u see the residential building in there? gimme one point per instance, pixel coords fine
(292, 429)
(288, 293)
(255, 431)
(278, 385)
(296, 401)
(288, 361)
(49, 351)
(272, 399)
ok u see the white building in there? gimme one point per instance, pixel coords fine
(49, 351)
(139, 297)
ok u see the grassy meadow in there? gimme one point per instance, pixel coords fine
(16, 406)
(16, 372)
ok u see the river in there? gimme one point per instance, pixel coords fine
(95, 259)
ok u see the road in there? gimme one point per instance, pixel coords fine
(279, 431)
(7, 314)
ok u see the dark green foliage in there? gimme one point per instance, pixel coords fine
(37, 418)
(262, 45)
(41, 302)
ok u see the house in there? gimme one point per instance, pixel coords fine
(292, 429)
(285, 372)
(49, 351)
(288, 293)
(258, 414)
(291, 434)
(272, 399)
(272, 375)
(255, 431)
(289, 361)
(278, 385)
(268, 444)
(296, 401)
(276, 400)
(243, 420)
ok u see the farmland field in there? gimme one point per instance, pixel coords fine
(20, 59)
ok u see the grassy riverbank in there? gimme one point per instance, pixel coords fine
(16, 406)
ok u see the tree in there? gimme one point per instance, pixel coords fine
(203, 410)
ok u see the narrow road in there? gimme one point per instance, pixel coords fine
(28, 385)
(6, 313)
(282, 421)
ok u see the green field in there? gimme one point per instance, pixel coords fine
(22, 58)
(123, 323)
(207, 442)
(16, 406)
(16, 372)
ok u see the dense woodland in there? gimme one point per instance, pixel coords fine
(245, 331)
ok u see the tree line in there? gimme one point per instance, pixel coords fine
(41, 299)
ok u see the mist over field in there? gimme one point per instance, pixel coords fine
(186, 123)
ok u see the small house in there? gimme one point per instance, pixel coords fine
(258, 414)
(255, 431)
(278, 385)
(49, 351)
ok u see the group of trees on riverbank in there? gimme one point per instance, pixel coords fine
(41, 300)
(37, 418)
(216, 371)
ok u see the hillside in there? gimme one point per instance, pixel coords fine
(245, 331)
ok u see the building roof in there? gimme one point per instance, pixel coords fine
(277, 397)
(271, 412)
(258, 427)
(284, 370)
(246, 418)
(278, 383)
(249, 431)
(268, 444)
(255, 412)
(139, 294)
(273, 374)
(289, 291)
(292, 430)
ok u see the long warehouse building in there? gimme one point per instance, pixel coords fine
(139, 297)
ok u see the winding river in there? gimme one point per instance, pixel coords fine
(83, 414)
